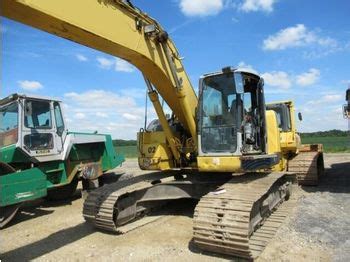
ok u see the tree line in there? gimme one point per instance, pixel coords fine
(333, 133)
(121, 142)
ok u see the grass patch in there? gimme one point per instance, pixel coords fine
(331, 144)
(127, 151)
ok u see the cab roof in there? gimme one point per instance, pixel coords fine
(16, 96)
(245, 71)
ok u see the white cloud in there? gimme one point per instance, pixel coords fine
(282, 80)
(277, 79)
(117, 64)
(332, 98)
(81, 57)
(326, 99)
(201, 7)
(245, 67)
(257, 5)
(123, 66)
(323, 113)
(308, 78)
(131, 116)
(296, 36)
(95, 99)
(101, 114)
(30, 85)
(345, 82)
(79, 115)
(137, 93)
(107, 112)
(105, 63)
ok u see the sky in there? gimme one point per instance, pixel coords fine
(301, 49)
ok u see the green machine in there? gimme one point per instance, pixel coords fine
(39, 157)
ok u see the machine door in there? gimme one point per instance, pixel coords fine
(39, 129)
(221, 113)
(60, 133)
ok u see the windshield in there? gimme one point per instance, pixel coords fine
(221, 112)
(9, 124)
(37, 114)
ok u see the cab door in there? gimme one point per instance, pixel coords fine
(60, 133)
(37, 129)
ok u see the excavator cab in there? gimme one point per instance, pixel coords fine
(232, 133)
(232, 114)
(33, 124)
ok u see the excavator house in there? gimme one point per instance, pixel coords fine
(222, 147)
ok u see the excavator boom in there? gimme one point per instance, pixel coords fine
(119, 29)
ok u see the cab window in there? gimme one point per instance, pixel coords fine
(59, 118)
(37, 114)
(9, 124)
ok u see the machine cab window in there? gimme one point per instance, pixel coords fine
(232, 113)
(37, 114)
(59, 118)
(283, 116)
(9, 124)
(220, 103)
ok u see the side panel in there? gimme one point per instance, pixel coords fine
(273, 133)
(110, 158)
(22, 186)
(274, 140)
(154, 152)
(12, 154)
(87, 150)
(219, 164)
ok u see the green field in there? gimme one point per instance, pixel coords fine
(331, 144)
(127, 151)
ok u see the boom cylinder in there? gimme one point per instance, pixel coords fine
(153, 96)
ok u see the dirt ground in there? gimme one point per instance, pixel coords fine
(317, 230)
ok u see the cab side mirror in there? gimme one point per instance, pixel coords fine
(300, 117)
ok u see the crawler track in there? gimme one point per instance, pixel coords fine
(231, 222)
(308, 166)
(224, 220)
(100, 206)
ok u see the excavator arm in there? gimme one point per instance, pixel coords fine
(118, 28)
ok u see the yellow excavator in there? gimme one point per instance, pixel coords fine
(222, 147)
(303, 160)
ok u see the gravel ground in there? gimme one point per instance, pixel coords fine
(317, 230)
(319, 227)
